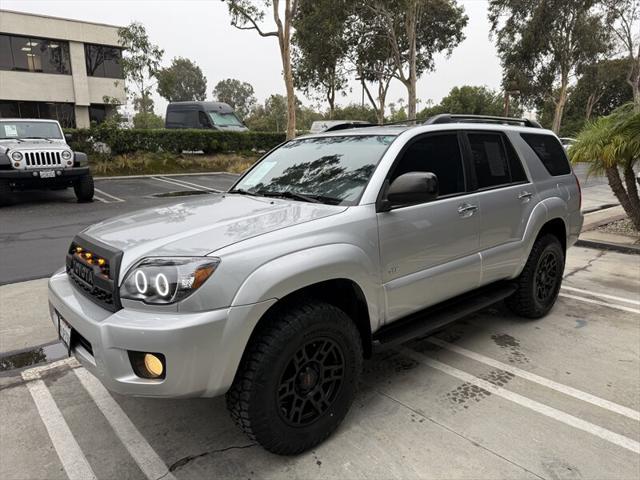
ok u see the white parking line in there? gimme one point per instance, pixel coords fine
(175, 183)
(196, 185)
(137, 446)
(73, 461)
(598, 302)
(532, 377)
(538, 407)
(108, 195)
(601, 295)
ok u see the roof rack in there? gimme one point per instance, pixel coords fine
(457, 117)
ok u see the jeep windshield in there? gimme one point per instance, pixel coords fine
(21, 129)
(333, 170)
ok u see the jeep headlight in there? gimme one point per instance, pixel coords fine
(165, 280)
(66, 155)
(16, 156)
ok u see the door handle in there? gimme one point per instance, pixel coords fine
(525, 194)
(466, 210)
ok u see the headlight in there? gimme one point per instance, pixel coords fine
(66, 155)
(164, 280)
(16, 156)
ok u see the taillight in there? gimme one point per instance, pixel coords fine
(579, 191)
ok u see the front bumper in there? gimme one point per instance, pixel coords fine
(202, 350)
(26, 178)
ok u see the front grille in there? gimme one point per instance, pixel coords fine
(93, 268)
(42, 158)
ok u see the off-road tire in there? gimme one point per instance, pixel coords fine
(525, 301)
(83, 187)
(253, 398)
(5, 193)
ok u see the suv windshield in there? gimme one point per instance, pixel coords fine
(225, 119)
(26, 129)
(332, 170)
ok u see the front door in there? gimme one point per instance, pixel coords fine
(429, 251)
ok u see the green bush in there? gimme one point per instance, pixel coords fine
(122, 141)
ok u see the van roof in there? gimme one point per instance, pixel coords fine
(216, 106)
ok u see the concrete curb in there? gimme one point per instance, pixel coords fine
(614, 247)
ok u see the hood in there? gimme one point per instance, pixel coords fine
(32, 144)
(200, 226)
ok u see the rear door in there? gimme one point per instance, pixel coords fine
(506, 198)
(429, 251)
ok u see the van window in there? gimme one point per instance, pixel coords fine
(183, 118)
(225, 119)
(549, 151)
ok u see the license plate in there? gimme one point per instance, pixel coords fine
(83, 272)
(47, 174)
(64, 332)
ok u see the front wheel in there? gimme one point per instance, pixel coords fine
(298, 377)
(83, 187)
(540, 280)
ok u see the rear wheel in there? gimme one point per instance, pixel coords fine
(540, 280)
(298, 378)
(83, 188)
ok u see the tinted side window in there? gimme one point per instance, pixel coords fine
(515, 164)
(489, 159)
(438, 154)
(549, 151)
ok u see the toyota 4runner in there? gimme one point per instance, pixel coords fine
(329, 247)
(34, 155)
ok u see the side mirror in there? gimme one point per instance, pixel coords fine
(413, 187)
(68, 137)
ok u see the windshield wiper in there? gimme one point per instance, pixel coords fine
(304, 197)
(241, 191)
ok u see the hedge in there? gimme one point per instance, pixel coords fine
(172, 140)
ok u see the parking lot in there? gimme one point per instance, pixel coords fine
(491, 396)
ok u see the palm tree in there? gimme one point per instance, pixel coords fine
(611, 146)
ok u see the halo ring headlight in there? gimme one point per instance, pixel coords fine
(162, 285)
(141, 282)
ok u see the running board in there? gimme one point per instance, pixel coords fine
(434, 318)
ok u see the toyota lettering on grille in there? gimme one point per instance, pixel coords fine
(83, 272)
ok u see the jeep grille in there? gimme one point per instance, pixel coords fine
(42, 158)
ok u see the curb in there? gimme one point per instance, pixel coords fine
(614, 247)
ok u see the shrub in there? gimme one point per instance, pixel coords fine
(122, 141)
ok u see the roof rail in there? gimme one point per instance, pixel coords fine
(460, 117)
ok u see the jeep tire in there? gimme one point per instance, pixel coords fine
(5, 193)
(540, 280)
(298, 377)
(83, 188)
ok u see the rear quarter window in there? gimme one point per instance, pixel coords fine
(550, 152)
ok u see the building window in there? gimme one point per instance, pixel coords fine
(103, 61)
(97, 113)
(32, 54)
(62, 112)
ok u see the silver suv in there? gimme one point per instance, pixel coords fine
(332, 245)
(34, 155)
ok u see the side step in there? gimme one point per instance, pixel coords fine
(434, 318)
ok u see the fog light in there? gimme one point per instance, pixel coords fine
(153, 365)
(16, 164)
(148, 365)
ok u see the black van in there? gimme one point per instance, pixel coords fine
(213, 115)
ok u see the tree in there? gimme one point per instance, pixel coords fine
(181, 82)
(147, 120)
(416, 30)
(356, 112)
(270, 117)
(237, 94)
(140, 62)
(542, 44)
(319, 66)
(473, 100)
(248, 15)
(609, 145)
(623, 16)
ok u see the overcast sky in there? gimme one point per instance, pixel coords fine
(200, 30)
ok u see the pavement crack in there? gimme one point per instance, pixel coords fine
(189, 458)
(587, 266)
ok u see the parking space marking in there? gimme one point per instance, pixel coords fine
(176, 183)
(532, 377)
(73, 461)
(196, 185)
(601, 295)
(137, 446)
(598, 302)
(567, 419)
(109, 196)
